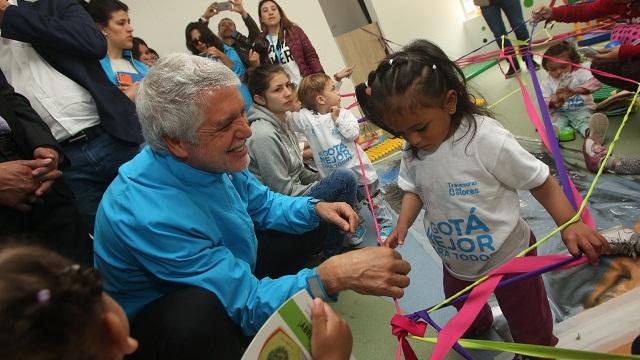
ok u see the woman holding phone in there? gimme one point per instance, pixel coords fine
(122, 69)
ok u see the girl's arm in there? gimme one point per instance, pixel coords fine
(577, 237)
(411, 206)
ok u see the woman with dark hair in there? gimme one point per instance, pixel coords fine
(143, 53)
(203, 42)
(288, 44)
(121, 68)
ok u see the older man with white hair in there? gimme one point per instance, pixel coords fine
(175, 232)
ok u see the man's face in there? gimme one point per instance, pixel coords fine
(225, 28)
(222, 136)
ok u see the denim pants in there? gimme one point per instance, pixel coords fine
(94, 164)
(493, 16)
(578, 120)
(339, 186)
(382, 213)
(524, 304)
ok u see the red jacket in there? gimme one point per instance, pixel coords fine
(597, 9)
(303, 52)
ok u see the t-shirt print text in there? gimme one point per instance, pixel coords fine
(463, 189)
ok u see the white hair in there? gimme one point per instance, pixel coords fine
(171, 98)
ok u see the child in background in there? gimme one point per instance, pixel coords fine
(51, 308)
(331, 132)
(567, 91)
(464, 169)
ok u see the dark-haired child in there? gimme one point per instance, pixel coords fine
(464, 169)
(567, 91)
(331, 132)
(51, 308)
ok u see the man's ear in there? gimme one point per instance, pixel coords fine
(258, 99)
(176, 147)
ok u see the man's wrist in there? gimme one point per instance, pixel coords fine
(328, 272)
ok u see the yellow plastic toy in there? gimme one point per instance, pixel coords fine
(383, 149)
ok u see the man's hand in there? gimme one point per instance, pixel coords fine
(254, 59)
(239, 8)
(17, 183)
(46, 174)
(210, 11)
(331, 337)
(607, 55)
(338, 213)
(579, 238)
(541, 13)
(371, 271)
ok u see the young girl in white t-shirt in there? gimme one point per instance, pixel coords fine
(464, 169)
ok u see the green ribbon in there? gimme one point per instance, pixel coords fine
(540, 351)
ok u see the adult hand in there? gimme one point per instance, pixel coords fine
(210, 11)
(17, 183)
(371, 271)
(48, 173)
(397, 237)
(254, 59)
(130, 90)
(579, 238)
(338, 213)
(239, 8)
(335, 112)
(344, 73)
(331, 337)
(607, 55)
(541, 13)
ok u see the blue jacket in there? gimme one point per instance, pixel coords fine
(162, 225)
(128, 55)
(66, 37)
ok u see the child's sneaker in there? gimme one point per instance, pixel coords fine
(598, 125)
(622, 241)
(593, 154)
(358, 237)
(385, 231)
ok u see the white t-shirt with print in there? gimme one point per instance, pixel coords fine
(282, 55)
(572, 80)
(469, 191)
(333, 143)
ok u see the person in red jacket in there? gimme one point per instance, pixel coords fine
(288, 44)
(623, 60)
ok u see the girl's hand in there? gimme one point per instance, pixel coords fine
(130, 90)
(396, 238)
(335, 112)
(331, 337)
(607, 55)
(579, 238)
(541, 13)
(564, 93)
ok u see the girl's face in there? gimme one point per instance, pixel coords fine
(117, 325)
(557, 69)
(269, 14)
(119, 32)
(279, 97)
(196, 40)
(425, 127)
(145, 56)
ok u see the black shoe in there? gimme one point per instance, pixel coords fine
(512, 72)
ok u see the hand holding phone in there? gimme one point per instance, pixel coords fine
(587, 51)
(224, 6)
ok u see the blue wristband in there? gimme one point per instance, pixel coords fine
(317, 290)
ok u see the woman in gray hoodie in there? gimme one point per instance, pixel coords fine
(276, 158)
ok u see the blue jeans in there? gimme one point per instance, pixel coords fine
(94, 165)
(382, 213)
(339, 186)
(493, 16)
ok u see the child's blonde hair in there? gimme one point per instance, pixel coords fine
(310, 87)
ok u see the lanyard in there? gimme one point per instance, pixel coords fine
(278, 53)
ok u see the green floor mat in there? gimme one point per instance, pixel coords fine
(603, 93)
(472, 70)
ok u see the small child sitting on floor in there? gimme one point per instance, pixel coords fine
(332, 132)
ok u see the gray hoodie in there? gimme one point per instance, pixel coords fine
(276, 158)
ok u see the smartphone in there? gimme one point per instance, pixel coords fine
(587, 51)
(124, 78)
(225, 5)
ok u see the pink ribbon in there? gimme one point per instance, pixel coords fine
(401, 327)
(479, 295)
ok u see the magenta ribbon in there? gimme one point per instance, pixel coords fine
(479, 295)
(401, 327)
